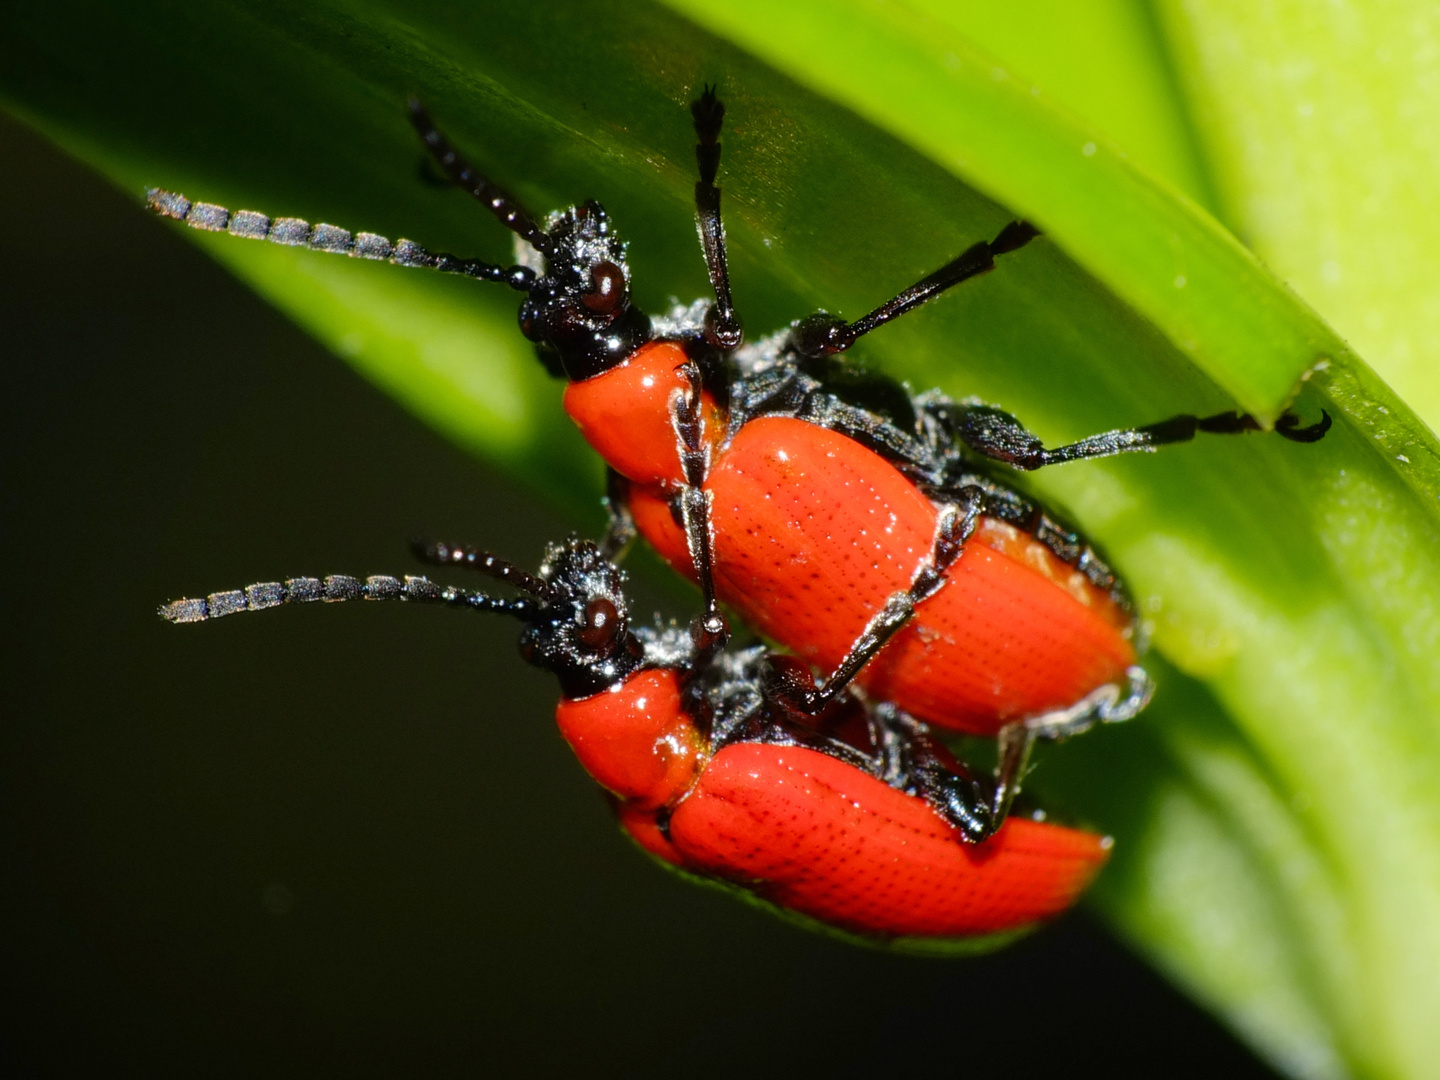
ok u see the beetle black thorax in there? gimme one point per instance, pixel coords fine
(578, 311)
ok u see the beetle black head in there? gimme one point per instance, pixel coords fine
(577, 623)
(581, 628)
(578, 311)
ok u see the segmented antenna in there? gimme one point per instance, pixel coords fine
(296, 232)
(336, 589)
(496, 199)
(469, 557)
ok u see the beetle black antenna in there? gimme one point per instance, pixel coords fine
(821, 335)
(466, 557)
(723, 327)
(338, 588)
(296, 232)
(464, 175)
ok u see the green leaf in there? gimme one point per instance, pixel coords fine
(1277, 812)
(1101, 61)
(1318, 121)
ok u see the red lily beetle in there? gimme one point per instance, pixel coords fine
(854, 818)
(872, 532)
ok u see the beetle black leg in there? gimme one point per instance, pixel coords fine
(999, 436)
(722, 326)
(1013, 744)
(822, 335)
(620, 527)
(1110, 704)
(709, 629)
(910, 760)
(957, 521)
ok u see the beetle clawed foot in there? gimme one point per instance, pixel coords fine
(1287, 426)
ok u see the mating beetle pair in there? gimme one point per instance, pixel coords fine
(872, 533)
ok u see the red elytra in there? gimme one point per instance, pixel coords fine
(812, 532)
(813, 834)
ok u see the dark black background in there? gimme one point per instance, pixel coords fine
(348, 840)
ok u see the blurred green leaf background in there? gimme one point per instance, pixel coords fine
(1277, 811)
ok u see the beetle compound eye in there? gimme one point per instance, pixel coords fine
(602, 625)
(609, 290)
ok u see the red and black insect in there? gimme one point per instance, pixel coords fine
(876, 534)
(854, 817)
